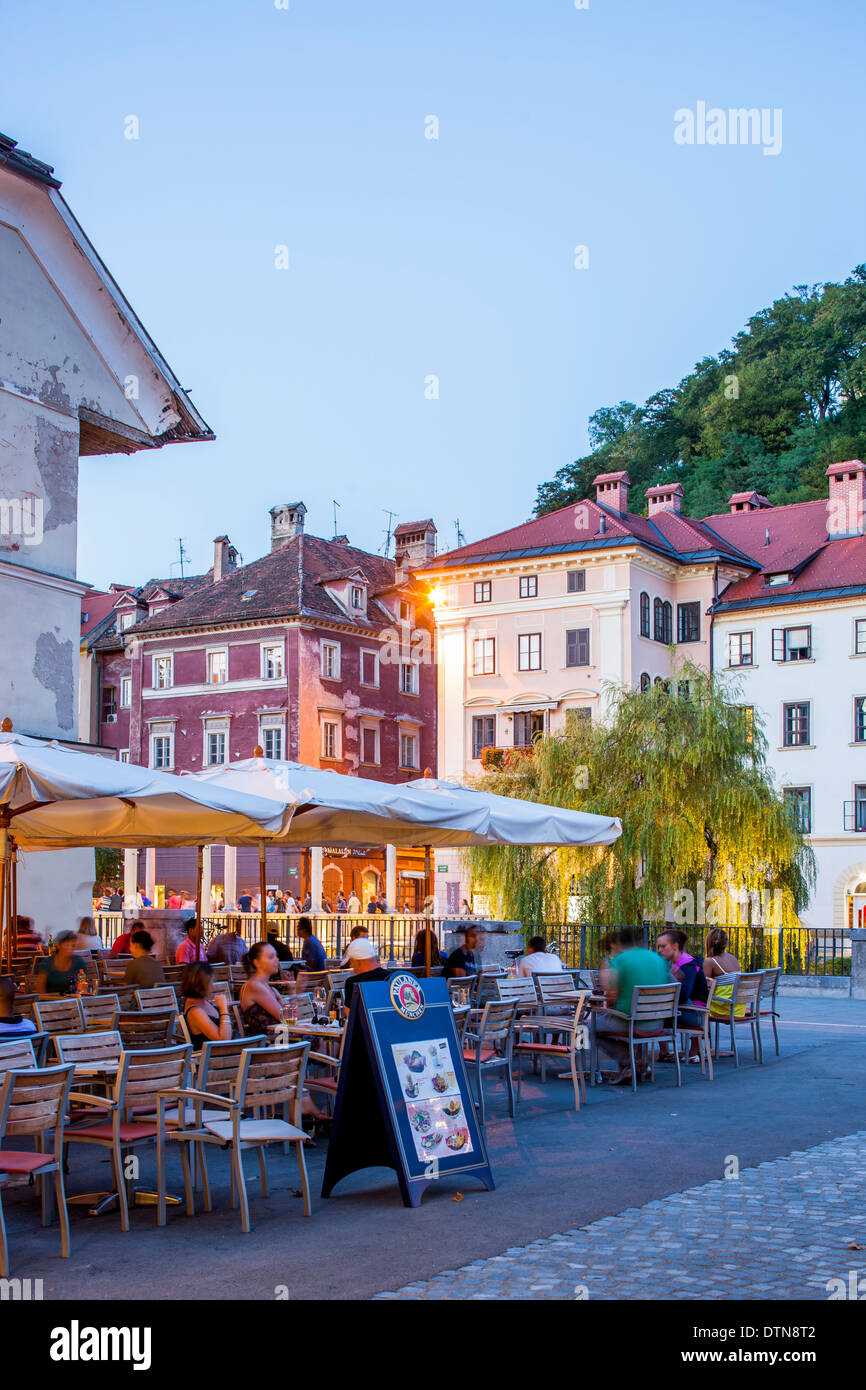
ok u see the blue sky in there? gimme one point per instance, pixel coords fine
(411, 257)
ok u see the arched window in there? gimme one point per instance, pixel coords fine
(658, 621)
(645, 681)
(668, 622)
(644, 615)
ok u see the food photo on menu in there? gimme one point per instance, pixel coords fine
(433, 1102)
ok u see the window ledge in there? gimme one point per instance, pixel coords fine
(794, 661)
(744, 666)
(336, 679)
(796, 747)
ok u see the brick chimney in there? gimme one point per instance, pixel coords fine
(414, 542)
(225, 558)
(667, 497)
(287, 521)
(847, 501)
(748, 502)
(611, 490)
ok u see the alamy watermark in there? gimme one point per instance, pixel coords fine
(712, 125)
(21, 519)
(733, 907)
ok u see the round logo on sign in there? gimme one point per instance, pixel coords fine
(407, 996)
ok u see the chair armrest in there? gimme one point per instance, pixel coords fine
(324, 1059)
(85, 1098)
(188, 1093)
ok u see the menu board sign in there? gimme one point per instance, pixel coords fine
(403, 1099)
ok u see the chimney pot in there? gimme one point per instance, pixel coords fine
(847, 500)
(611, 490)
(287, 521)
(225, 558)
(667, 497)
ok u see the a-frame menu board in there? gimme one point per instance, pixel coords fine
(403, 1099)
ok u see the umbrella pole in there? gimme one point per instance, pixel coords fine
(427, 885)
(262, 891)
(5, 943)
(199, 877)
(13, 896)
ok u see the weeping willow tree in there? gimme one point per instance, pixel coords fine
(684, 767)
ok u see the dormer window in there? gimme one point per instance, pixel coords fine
(127, 620)
(357, 594)
(405, 611)
(784, 577)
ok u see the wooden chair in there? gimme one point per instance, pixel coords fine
(519, 990)
(146, 1030)
(572, 1048)
(550, 986)
(769, 988)
(99, 1011)
(96, 1053)
(59, 1015)
(160, 997)
(271, 1076)
(173, 974)
(17, 1055)
(141, 1077)
(487, 1048)
(744, 996)
(654, 1014)
(701, 1033)
(221, 971)
(33, 1104)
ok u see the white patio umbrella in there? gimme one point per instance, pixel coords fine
(508, 820)
(56, 797)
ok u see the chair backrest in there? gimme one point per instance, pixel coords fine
(747, 989)
(160, 997)
(337, 978)
(24, 1004)
(303, 1006)
(238, 1020)
(173, 974)
(486, 988)
(59, 1015)
(497, 1021)
(146, 1030)
(16, 1055)
(222, 971)
(311, 979)
(88, 1049)
(519, 988)
(219, 1062)
(33, 1101)
(100, 1008)
(585, 979)
(222, 987)
(272, 1076)
(552, 984)
(654, 1003)
(769, 984)
(145, 1072)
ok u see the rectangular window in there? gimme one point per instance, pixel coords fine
(405, 611)
(331, 660)
(740, 649)
(216, 748)
(127, 620)
(529, 586)
(272, 742)
(163, 673)
(576, 581)
(798, 801)
(484, 656)
(529, 651)
(795, 724)
(369, 743)
(409, 751)
(688, 622)
(483, 733)
(527, 728)
(109, 704)
(859, 809)
(357, 596)
(409, 677)
(272, 662)
(369, 668)
(218, 666)
(330, 739)
(860, 719)
(792, 643)
(161, 751)
(123, 755)
(577, 647)
(483, 591)
(125, 692)
(860, 637)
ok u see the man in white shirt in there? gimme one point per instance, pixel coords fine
(538, 961)
(354, 904)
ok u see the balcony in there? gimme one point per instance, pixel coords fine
(855, 815)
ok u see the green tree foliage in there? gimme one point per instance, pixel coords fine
(109, 866)
(685, 770)
(769, 413)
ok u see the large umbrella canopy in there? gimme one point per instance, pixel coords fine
(55, 797)
(331, 808)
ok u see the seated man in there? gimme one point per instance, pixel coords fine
(314, 954)
(227, 948)
(143, 971)
(462, 960)
(631, 964)
(364, 960)
(187, 951)
(12, 1024)
(538, 960)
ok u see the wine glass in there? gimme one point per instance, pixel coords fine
(320, 999)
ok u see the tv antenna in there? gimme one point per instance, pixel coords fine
(461, 539)
(391, 517)
(183, 556)
(336, 504)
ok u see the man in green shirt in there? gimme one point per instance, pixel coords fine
(631, 964)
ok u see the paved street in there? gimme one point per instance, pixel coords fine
(626, 1166)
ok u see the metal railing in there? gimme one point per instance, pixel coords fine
(393, 935)
(854, 814)
(799, 950)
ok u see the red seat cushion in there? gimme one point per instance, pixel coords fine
(469, 1054)
(11, 1162)
(326, 1083)
(128, 1132)
(542, 1047)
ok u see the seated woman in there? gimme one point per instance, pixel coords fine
(261, 1005)
(718, 962)
(61, 975)
(207, 1019)
(419, 950)
(88, 937)
(693, 987)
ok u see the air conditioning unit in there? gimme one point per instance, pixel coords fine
(111, 719)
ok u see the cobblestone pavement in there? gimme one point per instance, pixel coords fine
(781, 1230)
